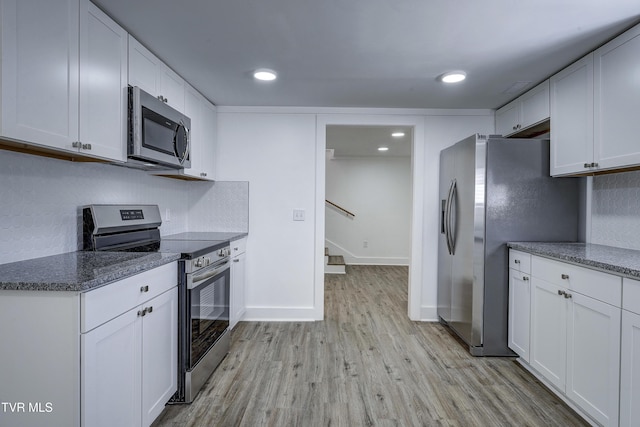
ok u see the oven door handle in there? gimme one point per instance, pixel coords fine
(209, 273)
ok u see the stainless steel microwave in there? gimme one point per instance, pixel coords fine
(158, 135)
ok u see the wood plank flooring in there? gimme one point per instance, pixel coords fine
(366, 364)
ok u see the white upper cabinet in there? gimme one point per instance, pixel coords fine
(572, 118)
(203, 137)
(63, 77)
(40, 72)
(103, 84)
(617, 101)
(152, 75)
(524, 112)
(595, 108)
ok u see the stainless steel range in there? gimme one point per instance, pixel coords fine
(203, 290)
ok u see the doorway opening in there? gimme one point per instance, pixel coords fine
(389, 228)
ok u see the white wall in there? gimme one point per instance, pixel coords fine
(378, 192)
(276, 150)
(41, 198)
(276, 154)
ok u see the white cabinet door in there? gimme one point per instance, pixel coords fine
(193, 108)
(208, 150)
(172, 88)
(143, 68)
(159, 354)
(507, 118)
(571, 96)
(237, 295)
(593, 357)
(519, 313)
(103, 84)
(40, 72)
(548, 352)
(630, 370)
(153, 76)
(110, 373)
(617, 104)
(535, 105)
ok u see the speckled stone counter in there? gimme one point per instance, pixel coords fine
(77, 271)
(623, 262)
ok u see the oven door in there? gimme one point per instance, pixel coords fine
(208, 309)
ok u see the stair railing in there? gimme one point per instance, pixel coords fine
(340, 208)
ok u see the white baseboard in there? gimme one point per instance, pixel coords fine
(351, 259)
(281, 314)
(429, 313)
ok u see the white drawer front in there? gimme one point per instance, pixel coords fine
(595, 284)
(238, 246)
(103, 304)
(520, 261)
(631, 295)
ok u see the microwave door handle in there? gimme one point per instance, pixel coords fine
(183, 158)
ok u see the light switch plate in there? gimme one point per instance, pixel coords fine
(298, 214)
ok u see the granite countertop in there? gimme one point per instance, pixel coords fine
(78, 271)
(623, 262)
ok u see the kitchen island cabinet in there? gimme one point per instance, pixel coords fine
(64, 68)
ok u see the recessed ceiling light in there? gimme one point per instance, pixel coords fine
(265, 74)
(397, 134)
(383, 148)
(453, 77)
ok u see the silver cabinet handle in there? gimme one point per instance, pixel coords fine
(150, 309)
(142, 312)
(561, 292)
(587, 165)
(594, 165)
(86, 146)
(567, 296)
(236, 260)
(564, 276)
(76, 144)
(144, 288)
(525, 278)
(517, 261)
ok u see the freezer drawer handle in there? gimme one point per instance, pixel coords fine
(564, 276)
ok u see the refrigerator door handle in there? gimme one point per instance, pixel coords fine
(451, 226)
(447, 221)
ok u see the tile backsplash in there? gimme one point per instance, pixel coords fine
(615, 210)
(41, 199)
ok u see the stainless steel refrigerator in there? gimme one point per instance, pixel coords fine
(494, 190)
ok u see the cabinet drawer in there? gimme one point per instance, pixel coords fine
(238, 246)
(105, 303)
(631, 295)
(595, 284)
(520, 261)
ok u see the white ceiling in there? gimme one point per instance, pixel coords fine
(369, 53)
(363, 141)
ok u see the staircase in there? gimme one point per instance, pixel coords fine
(333, 264)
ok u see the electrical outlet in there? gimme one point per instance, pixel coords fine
(298, 214)
(365, 244)
(167, 215)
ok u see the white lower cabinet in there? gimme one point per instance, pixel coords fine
(575, 335)
(238, 282)
(129, 363)
(519, 312)
(630, 355)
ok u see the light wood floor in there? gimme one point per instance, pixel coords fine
(366, 364)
